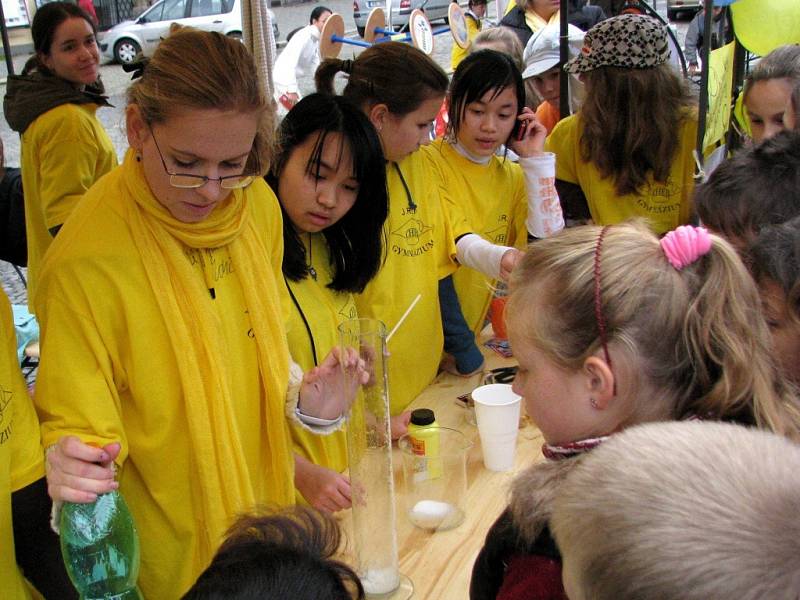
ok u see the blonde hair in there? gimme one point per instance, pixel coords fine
(696, 337)
(501, 39)
(682, 511)
(194, 69)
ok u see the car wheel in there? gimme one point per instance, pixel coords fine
(237, 35)
(361, 30)
(126, 51)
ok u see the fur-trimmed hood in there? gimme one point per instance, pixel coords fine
(532, 495)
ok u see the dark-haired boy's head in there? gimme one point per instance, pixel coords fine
(756, 187)
(284, 555)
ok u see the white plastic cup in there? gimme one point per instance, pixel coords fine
(497, 414)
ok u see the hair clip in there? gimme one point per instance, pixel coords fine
(684, 245)
(136, 67)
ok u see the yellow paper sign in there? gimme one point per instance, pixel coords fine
(763, 25)
(720, 80)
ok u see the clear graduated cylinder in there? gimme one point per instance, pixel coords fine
(100, 547)
(369, 445)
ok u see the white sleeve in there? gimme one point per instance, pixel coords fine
(475, 252)
(312, 424)
(544, 208)
(285, 73)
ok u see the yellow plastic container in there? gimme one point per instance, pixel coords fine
(423, 432)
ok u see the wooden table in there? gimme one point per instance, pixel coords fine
(440, 563)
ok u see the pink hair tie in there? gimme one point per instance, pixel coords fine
(685, 245)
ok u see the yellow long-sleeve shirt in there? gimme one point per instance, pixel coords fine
(316, 312)
(109, 372)
(21, 455)
(489, 200)
(420, 251)
(664, 204)
(63, 153)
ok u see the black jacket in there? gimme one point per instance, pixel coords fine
(584, 17)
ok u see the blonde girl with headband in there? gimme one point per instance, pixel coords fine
(491, 200)
(53, 106)
(628, 151)
(163, 337)
(655, 330)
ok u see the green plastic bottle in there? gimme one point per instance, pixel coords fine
(100, 547)
(424, 433)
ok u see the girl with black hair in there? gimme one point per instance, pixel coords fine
(330, 179)
(494, 203)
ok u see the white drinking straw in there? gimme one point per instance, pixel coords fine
(403, 318)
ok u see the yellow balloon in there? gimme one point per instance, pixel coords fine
(763, 25)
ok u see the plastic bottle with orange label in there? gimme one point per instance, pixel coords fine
(423, 430)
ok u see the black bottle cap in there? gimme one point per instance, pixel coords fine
(422, 416)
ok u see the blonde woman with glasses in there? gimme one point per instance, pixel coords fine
(164, 353)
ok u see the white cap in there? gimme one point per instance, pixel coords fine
(542, 50)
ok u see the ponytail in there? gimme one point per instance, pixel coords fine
(692, 340)
(728, 342)
(327, 70)
(392, 73)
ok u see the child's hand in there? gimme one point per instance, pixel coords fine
(329, 388)
(399, 424)
(530, 136)
(323, 488)
(78, 472)
(508, 262)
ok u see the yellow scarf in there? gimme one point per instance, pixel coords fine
(195, 334)
(535, 22)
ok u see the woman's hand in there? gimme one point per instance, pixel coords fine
(323, 488)
(78, 472)
(530, 135)
(508, 262)
(329, 389)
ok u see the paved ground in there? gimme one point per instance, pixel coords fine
(116, 81)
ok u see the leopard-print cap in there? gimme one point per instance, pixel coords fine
(627, 41)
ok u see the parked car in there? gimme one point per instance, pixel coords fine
(401, 10)
(676, 6)
(125, 41)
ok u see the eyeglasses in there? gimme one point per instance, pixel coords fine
(187, 181)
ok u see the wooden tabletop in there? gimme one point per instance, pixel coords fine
(439, 563)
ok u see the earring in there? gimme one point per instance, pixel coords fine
(593, 402)
(138, 157)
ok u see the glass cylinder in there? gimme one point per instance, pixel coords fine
(369, 447)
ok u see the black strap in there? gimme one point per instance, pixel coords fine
(305, 322)
(411, 205)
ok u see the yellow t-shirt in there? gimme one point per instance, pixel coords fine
(420, 251)
(489, 200)
(665, 205)
(323, 309)
(64, 151)
(21, 455)
(457, 54)
(109, 373)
